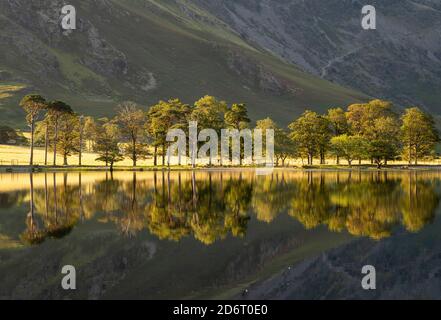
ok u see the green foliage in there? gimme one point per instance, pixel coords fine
(372, 131)
(237, 117)
(338, 121)
(165, 115)
(350, 147)
(68, 141)
(107, 137)
(418, 134)
(311, 133)
(210, 112)
(284, 147)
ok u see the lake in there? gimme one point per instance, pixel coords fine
(220, 234)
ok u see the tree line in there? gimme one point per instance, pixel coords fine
(373, 131)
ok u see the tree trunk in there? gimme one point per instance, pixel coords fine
(55, 142)
(163, 154)
(46, 143)
(338, 160)
(155, 156)
(378, 163)
(80, 153)
(31, 159)
(64, 160)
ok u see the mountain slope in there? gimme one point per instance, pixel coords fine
(400, 60)
(145, 50)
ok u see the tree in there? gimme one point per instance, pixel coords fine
(210, 113)
(131, 120)
(81, 139)
(323, 137)
(107, 136)
(68, 139)
(89, 132)
(43, 135)
(377, 122)
(311, 134)
(56, 110)
(418, 134)
(237, 117)
(338, 122)
(384, 142)
(284, 147)
(349, 147)
(46, 124)
(32, 104)
(361, 117)
(162, 117)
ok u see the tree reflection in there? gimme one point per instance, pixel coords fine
(418, 203)
(213, 205)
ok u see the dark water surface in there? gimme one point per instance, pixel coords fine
(220, 234)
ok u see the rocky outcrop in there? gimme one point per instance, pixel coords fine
(401, 60)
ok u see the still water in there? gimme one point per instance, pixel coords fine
(220, 234)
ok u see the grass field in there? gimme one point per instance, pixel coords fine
(19, 155)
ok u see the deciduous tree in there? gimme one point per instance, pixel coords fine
(349, 147)
(131, 120)
(311, 133)
(418, 134)
(107, 137)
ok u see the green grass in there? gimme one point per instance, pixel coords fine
(73, 70)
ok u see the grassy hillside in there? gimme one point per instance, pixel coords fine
(145, 50)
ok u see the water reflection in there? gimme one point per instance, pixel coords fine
(210, 206)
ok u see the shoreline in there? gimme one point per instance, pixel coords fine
(322, 168)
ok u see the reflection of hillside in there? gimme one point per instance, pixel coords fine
(408, 266)
(211, 206)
